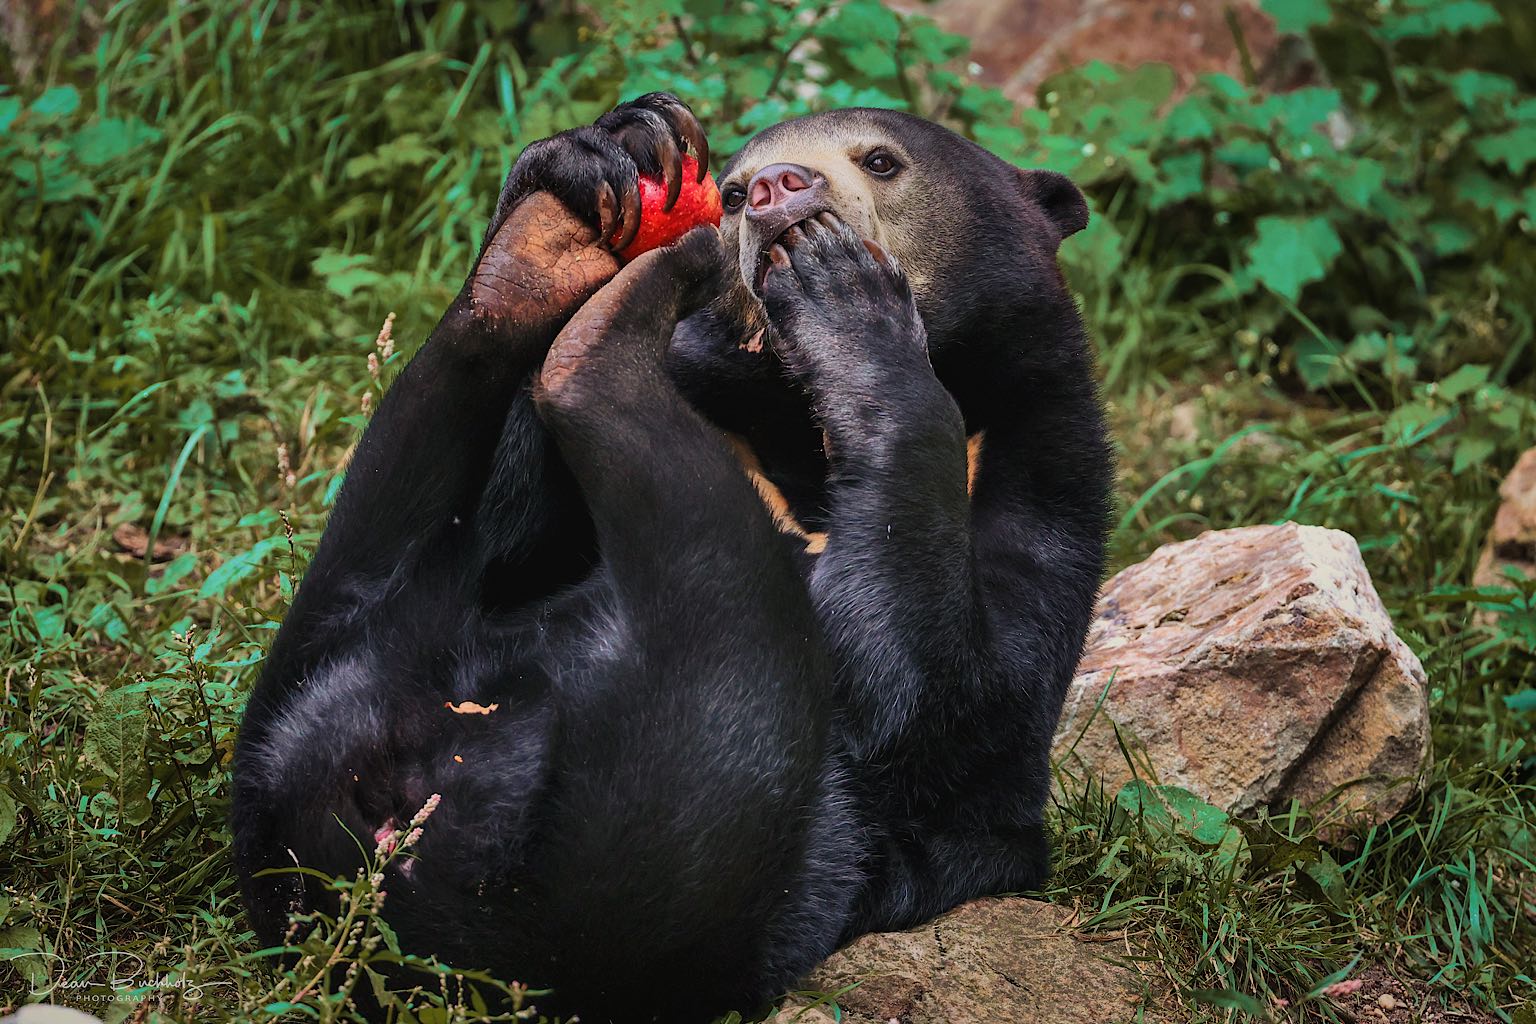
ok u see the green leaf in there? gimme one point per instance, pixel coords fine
(1206, 823)
(110, 140)
(1466, 378)
(171, 575)
(1443, 17)
(116, 738)
(1291, 252)
(1319, 362)
(10, 109)
(1450, 237)
(19, 949)
(1230, 999)
(1189, 121)
(1324, 878)
(863, 21)
(1094, 253)
(1485, 193)
(1515, 148)
(1300, 111)
(1471, 450)
(115, 734)
(7, 819)
(346, 274)
(60, 101)
(1272, 852)
(1524, 700)
(1298, 16)
(1361, 182)
(1173, 806)
(238, 568)
(1181, 177)
(1472, 88)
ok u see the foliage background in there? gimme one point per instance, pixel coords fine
(1315, 305)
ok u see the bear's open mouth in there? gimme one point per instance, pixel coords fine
(785, 240)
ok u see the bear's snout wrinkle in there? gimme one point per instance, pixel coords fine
(780, 195)
(777, 184)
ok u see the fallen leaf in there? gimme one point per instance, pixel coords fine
(469, 707)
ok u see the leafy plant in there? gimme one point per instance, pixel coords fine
(206, 213)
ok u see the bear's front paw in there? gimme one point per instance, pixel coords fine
(838, 301)
(572, 202)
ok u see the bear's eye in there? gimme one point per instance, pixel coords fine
(733, 197)
(881, 163)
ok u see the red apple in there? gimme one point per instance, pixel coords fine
(697, 203)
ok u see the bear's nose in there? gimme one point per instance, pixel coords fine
(775, 184)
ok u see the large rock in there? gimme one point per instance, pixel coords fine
(1251, 666)
(1511, 541)
(1000, 959)
(1017, 44)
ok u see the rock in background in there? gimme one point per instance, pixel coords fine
(1251, 666)
(991, 960)
(1017, 44)
(1512, 539)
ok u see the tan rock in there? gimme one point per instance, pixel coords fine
(1251, 666)
(1017, 44)
(1511, 541)
(998, 959)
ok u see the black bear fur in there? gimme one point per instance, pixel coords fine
(715, 756)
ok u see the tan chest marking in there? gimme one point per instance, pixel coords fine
(778, 505)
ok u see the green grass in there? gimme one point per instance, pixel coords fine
(202, 227)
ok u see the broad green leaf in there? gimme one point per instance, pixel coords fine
(7, 819)
(1271, 852)
(1522, 700)
(1290, 253)
(1466, 378)
(346, 274)
(238, 568)
(1474, 87)
(1360, 183)
(1485, 193)
(1319, 363)
(1189, 120)
(1230, 999)
(1471, 450)
(1181, 177)
(115, 734)
(110, 139)
(1325, 878)
(1244, 154)
(863, 21)
(165, 581)
(10, 109)
(1515, 148)
(1450, 237)
(60, 101)
(1300, 111)
(1095, 252)
(1298, 16)
(1443, 17)
(1205, 822)
(19, 947)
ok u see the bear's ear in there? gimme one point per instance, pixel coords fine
(1061, 200)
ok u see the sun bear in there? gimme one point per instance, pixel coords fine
(771, 554)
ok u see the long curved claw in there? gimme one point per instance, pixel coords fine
(629, 218)
(688, 129)
(670, 159)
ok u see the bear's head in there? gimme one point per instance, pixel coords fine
(976, 236)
